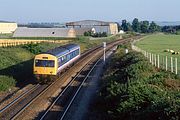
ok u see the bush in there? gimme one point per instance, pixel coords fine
(103, 34)
(134, 89)
(6, 83)
(90, 33)
(33, 48)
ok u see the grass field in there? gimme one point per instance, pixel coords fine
(157, 43)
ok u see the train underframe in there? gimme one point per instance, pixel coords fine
(44, 79)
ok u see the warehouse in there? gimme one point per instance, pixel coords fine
(44, 32)
(99, 26)
(81, 31)
(7, 27)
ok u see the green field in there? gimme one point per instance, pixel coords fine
(157, 43)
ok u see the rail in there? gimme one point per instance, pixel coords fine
(18, 98)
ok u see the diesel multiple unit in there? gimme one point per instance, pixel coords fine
(50, 63)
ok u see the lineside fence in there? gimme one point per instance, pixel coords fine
(164, 62)
(10, 43)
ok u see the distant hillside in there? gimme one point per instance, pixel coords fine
(166, 23)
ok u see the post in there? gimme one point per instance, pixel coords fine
(158, 61)
(152, 60)
(176, 65)
(104, 46)
(155, 59)
(171, 64)
(150, 57)
(126, 51)
(166, 63)
(163, 62)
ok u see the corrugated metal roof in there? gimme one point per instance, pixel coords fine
(44, 32)
(6, 22)
(88, 23)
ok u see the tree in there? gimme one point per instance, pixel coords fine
(126, 26)
(88, 33)
(153, 27)
(129, 27)
(145, 26)
(136, 25)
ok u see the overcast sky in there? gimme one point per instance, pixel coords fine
(72, 10)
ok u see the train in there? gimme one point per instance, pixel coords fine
(48, 65)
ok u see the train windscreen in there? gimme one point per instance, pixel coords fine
(44, 63)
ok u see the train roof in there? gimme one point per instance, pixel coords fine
(59, 51)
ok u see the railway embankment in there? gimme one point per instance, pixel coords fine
(16, 62)
(132, 88)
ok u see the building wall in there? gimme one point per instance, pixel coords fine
(81, 31)
(100, 26)
(101, 29)
(113, 28)
(71, 33)
(7, 27)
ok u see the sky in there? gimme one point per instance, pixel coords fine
(25, 11)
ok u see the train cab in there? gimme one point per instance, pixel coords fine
(45, 64)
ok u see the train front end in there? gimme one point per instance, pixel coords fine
(45, 66)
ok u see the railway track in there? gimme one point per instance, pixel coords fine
(12, 106)
(17, 99)
(16, 106)
(19, 106)
(65, 99)
(61, 99)
(18, 103)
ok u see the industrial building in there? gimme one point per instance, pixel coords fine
(99, 26)
(81, 31)
(44, 32)
(73, 29)
(7, 27)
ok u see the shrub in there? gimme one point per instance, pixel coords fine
(33, 48)
(6, 83)
(134, 89)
